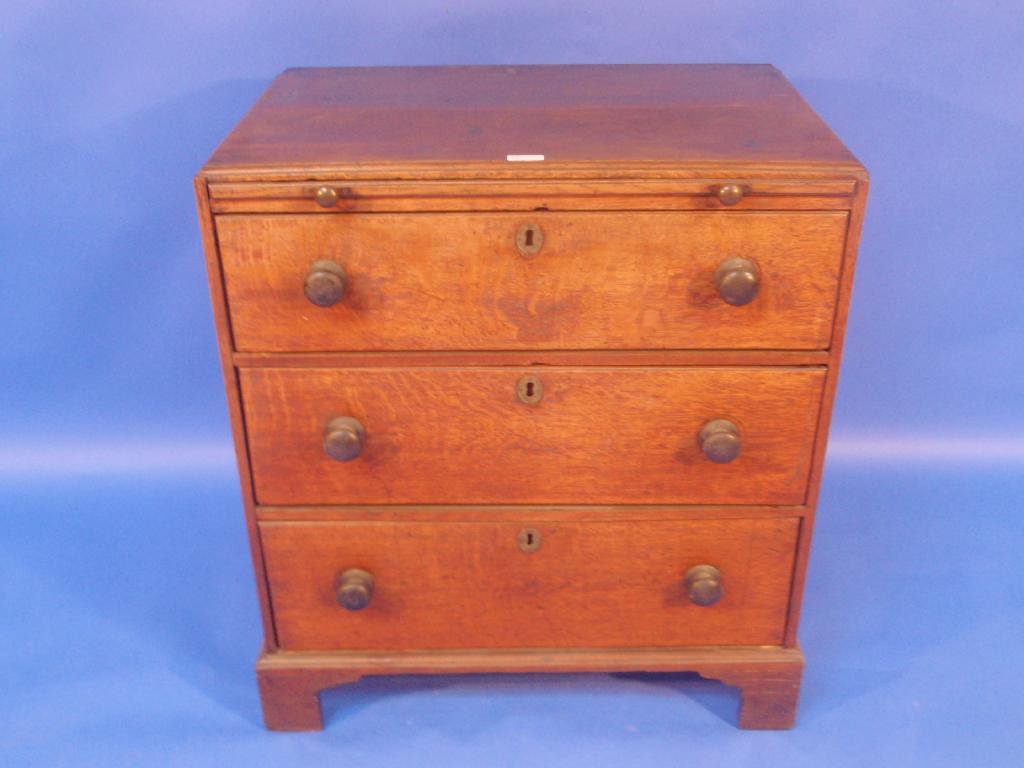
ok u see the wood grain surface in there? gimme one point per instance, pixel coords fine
(599, 435)
(600, 281)
(508, 513)
(768, 677)
(468, 585)
(457, 358)
(828, 403)
(359, 196)
(233, 396)
(617, 315)
(407, 117)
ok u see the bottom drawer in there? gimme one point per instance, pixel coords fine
(514, 584)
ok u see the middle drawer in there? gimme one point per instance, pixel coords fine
(547, 435)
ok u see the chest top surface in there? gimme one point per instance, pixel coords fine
(406, 120)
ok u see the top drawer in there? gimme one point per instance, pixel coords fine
(540, 280)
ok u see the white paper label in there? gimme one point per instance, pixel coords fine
(525, 158)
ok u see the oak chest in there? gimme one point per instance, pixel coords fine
(530, 369)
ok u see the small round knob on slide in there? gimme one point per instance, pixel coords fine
(738, 280)
(354, 589)
(325, 283)
(720, 441)
(326, 196)
(343, 438)
(703, 585)
(730, 194)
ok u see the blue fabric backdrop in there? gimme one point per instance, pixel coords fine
(127, 612)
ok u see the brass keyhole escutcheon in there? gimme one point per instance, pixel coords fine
(529, 239)
(529, 390)
(529, 539)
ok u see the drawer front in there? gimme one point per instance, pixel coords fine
(596, 280)
(584, 435)
(586, 584)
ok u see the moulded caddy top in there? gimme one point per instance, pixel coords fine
(461, 118)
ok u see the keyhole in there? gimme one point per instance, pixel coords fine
(529, 539)
(529, 390)
(529, 239)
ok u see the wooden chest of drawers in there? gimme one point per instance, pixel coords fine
(530, 369)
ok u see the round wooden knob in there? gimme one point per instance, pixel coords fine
(737, 280)
(730, 194)
(703, 585)
(326, 196)
(354, 589)
(325, 283)
(720, 441)
(343, 438)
